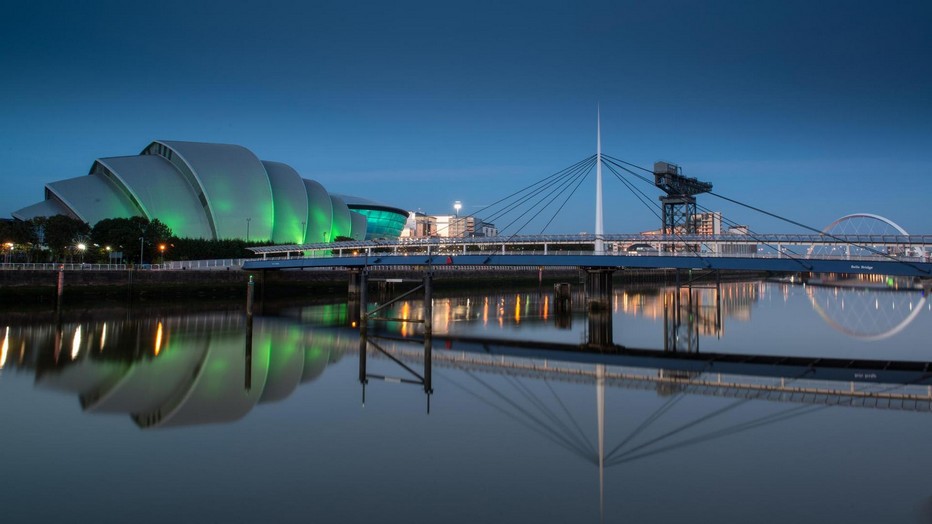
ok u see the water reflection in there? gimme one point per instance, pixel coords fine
(176, 371)
(213, 368)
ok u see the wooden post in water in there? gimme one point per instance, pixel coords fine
(250, 292)
(428, 333)
(61, 286)
(361, 282)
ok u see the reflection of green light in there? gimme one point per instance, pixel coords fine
(890, 281)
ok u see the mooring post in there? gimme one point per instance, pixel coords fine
(250, 297)
(719, 320)
(363, 295)
(250, 292)
(61, 285)
(363, 355)
(428, 331)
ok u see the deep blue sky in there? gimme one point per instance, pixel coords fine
(813, 109)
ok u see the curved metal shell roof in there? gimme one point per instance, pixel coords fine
(93, 198)
(215, 191)
(342, 222)
(359, 225)
(235, 185)
(319, 212)
(46, 208)
(290, 199)
(162, 192)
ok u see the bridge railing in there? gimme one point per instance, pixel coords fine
(214, 265)
(375, 253)
(904, 247)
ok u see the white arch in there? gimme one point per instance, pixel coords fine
(918, 251)
(885, 220)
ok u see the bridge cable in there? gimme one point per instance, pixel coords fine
(807, 266)
(545, 181)
(632, 188)
(563, 186)
(525, 423)
(662, 410)
(819, 232)
(567, 176)
(549, 413)
(569, 444)
(557, 212)
(753, 234)
(558, 174)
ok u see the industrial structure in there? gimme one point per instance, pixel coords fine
(215, 191)
(679, 203)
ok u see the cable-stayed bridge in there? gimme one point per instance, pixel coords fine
(860, 243)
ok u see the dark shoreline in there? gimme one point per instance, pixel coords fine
(36, 290)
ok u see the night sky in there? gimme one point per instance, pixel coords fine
(813, 109)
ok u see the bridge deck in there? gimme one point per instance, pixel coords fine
(901, 255)
(735, 263)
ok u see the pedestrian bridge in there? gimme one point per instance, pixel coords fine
(901, 255)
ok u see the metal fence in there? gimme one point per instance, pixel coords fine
(212, 265)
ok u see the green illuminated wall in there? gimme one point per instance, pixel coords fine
(319, 213)
(342, 222)
(382, 224)
(291, 203)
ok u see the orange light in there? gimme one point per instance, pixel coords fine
(158, 339)
(162, 247)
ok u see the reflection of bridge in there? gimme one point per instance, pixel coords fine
(191, 370)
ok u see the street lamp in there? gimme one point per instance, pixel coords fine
(140, 249)
(457, 206)
(248, 220)
(9, 251)
(81, 248)
(162, 252)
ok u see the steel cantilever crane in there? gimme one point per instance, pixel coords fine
(679, 203)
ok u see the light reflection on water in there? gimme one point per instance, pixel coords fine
(508, 438)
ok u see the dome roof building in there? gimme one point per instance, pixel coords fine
(212, 191)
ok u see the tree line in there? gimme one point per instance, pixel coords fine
(61, 238)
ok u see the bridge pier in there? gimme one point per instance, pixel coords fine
(353, 288)
(599, 305)
(599, 288)
(599, 334)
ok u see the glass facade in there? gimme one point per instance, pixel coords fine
(382, 223)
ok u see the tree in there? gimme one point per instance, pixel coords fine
(124, 234)
(61, 233)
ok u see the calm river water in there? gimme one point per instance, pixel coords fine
(155, 415)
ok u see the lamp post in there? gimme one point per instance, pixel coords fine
(458, 231)
(162, 253)
(248, 220)
(140, 249)
(81, 248)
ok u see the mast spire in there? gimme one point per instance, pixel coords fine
(599, 228)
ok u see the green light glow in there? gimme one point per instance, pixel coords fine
(382, 224)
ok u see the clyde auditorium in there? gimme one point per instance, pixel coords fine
(216, 191)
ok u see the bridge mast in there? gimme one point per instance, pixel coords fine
(599, 229)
